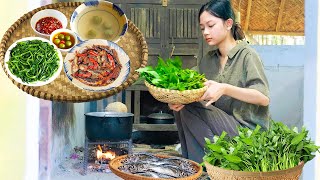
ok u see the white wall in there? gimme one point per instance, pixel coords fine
(19, 111)
(284, 68)
(12, 106)
(311, 82)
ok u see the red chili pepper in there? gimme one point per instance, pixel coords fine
(93, 61)
(62, 41)
(100, 76)
(47, 25)
(93, 53)
(110, 57)
(111, 61)
(81, 55)
(105, 73)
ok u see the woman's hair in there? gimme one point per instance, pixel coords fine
(223, 9)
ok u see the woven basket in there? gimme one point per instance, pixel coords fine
(175, 96)
(217, 173)
(116, 163)
(61, 89)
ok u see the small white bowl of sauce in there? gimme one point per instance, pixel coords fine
(46, 21)
(64, 39)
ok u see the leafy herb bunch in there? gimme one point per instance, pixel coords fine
(170, 75)
(278, 148)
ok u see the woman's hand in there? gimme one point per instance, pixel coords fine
(214, 92)
(176, 107)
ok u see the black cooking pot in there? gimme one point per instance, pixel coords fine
(160, 118)
(110, 126)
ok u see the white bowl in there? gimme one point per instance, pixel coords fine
(36, 83)
(111, 26)
(54, 33)
(48, 13)
(123, 58)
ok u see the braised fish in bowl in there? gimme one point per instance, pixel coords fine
(97, 65)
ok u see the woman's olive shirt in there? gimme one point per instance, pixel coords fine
(243, 69)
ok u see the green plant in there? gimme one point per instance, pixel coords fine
(170, 75)
(278, 148)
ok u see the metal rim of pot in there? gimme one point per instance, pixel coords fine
(109, 114)
(160, 115)
(160, 118)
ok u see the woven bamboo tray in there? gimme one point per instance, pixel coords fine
(216, 173)
(61, 89)
(116, 163)
(175, 96)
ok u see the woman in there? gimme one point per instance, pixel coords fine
(237, 93)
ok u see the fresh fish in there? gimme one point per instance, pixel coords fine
(154, 175)
(147, 164)
(140, 157)
(163, 169)
(151, 159)
(182, 163)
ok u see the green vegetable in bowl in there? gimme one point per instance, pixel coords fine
(67, 37)
(108, 33)
(96, 20)
(106, 25)
(278, 148)
(170, 75)
(56, 41)
(61, 36)
(63, 40)
(68, 43)
(91, 33)
(62, 46)
(33, 60)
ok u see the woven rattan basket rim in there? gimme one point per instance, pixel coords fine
(61, 97)
(256, 174)
(115, 163)
(175, 91)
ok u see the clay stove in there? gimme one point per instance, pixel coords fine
(97, 154)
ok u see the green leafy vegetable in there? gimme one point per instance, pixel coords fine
(278, 148)
(33, 60)
(170, 75)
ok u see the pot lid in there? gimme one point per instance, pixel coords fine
(109, 114)
(160, 115)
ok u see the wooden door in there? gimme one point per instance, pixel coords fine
(169, 29)
(182, 32)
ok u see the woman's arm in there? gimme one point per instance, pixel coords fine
(246, 95)
(216, 90)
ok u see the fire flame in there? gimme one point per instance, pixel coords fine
(107, 155)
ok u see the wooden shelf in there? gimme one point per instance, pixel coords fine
(155, 127)
(135, 90)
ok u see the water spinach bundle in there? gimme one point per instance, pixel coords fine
(170, 75)
(278, 148)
